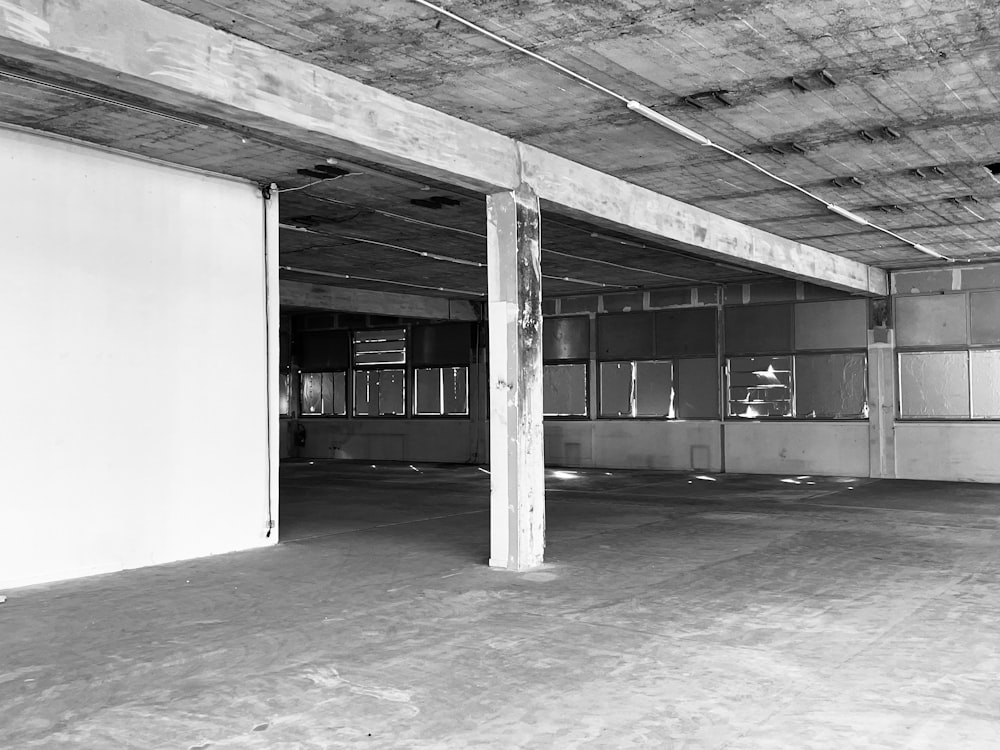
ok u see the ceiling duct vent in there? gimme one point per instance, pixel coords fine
(843, 182)
(789, 147)
(435, 201)
(323, 172)
(709, 99)
(818, 79)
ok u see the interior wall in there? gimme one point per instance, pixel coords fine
(384, 439)
(938, 311)
(955, 452)
(132, 300)
(634, 444)
(824, 448)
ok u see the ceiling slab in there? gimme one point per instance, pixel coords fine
(872, 89)
(133, 48)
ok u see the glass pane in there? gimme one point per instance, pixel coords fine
(831, 386)
(654, 389)
(365, 392)
(616, 389)
(312, 393)
(760, 387)
(564, 390)
(380, 347)
(391, 392)
(698, 388)
(428, 390)
(340, 393)
(456, 390)
(934, 384)
(326, 387)
(284, 381)
(985, 383)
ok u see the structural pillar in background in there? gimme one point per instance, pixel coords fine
(881, 394)
(517, 463)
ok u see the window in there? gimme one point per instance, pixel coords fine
(441, 391)
(379, 393)
(760, 387)
(324, 394)
(806, 360)
(284, 386)
(564, 390)
(985, 377)
(379, 359)
(831, 386)
(637, 389)
(950, 384)
(566, 354)
(948, 366)
(375, 348)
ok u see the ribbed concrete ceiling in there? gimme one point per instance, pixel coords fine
(387, 232)
(887, 108)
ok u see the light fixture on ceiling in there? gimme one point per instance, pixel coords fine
(928, 251)
(848, 215)
(666, 122)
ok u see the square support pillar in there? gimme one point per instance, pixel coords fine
(881, 404)
(517, 462)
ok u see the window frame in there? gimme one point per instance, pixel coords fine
(671, 417)
(302, 413)
(380, 367)
(794, 416)
(968, 347)
(414, 414)
(586, 389)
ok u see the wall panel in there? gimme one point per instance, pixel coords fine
(133, 296)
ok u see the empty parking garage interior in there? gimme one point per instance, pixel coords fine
(406, 374)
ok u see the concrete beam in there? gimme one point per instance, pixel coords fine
(517, 444)
(147, 53)
(571, 188)
(344, 299)
(202, 72)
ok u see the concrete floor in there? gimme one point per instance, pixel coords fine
(676, 612)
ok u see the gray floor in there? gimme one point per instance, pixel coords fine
(675, 612)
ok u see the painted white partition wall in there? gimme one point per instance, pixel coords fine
(131, 303)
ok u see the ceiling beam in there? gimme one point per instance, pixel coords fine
(571, 188)
(344, 299)
(146, 54)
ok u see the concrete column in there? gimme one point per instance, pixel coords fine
(881, 403)
(517, 463)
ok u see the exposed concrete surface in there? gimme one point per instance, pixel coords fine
(675, 612)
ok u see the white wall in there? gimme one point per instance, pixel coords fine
(380, 439)
(949, 451)
(131, 304)
(634, 444)
(825, 448)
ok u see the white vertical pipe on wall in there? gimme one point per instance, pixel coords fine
(272, 312)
